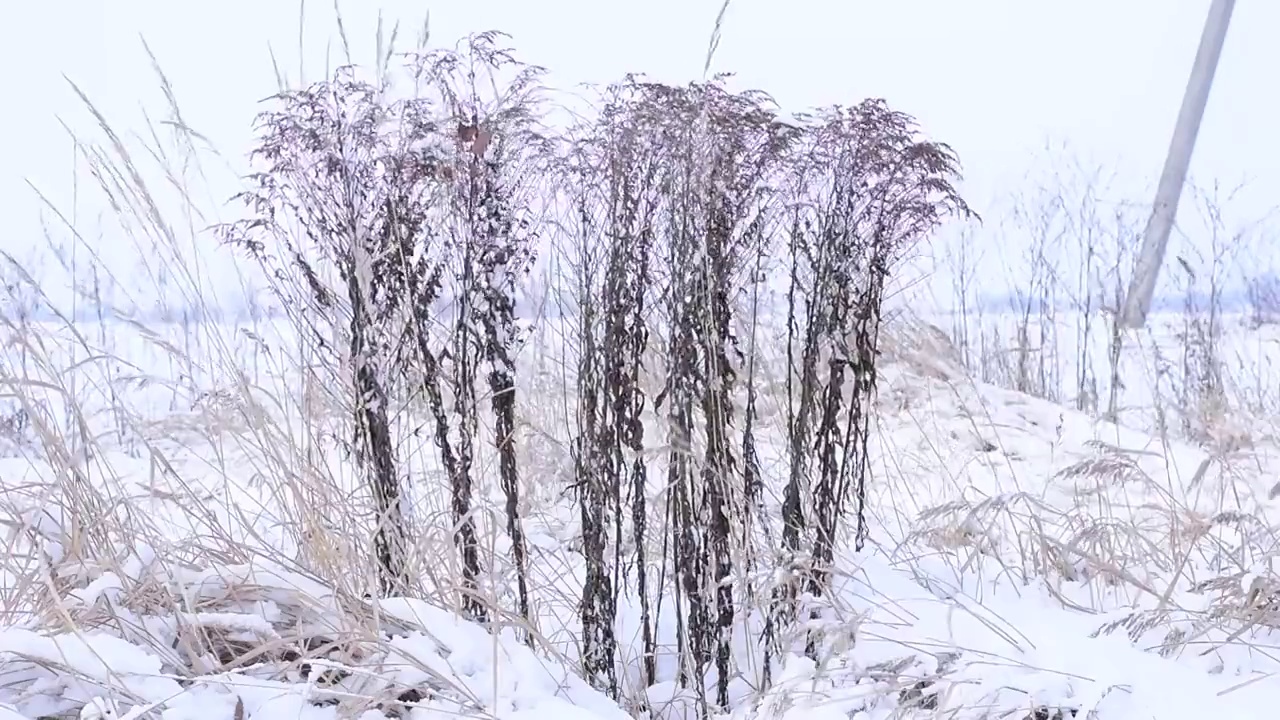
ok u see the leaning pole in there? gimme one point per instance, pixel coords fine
(1155, 239)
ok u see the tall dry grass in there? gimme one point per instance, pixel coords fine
(172, 509)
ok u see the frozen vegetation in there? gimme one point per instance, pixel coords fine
(617, 421)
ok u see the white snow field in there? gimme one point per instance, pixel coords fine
(1162, 369)
(184, 539)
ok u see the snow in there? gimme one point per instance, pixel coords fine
(461, 668)
(1027, 561)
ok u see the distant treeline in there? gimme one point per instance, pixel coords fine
(1229, 301)
(1233, 300)
(88, 312)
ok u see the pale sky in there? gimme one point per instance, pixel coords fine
(1000, 80)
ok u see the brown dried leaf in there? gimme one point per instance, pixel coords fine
(481, 143)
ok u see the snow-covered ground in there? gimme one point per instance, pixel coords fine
(1067, 356)
(1027, 560)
